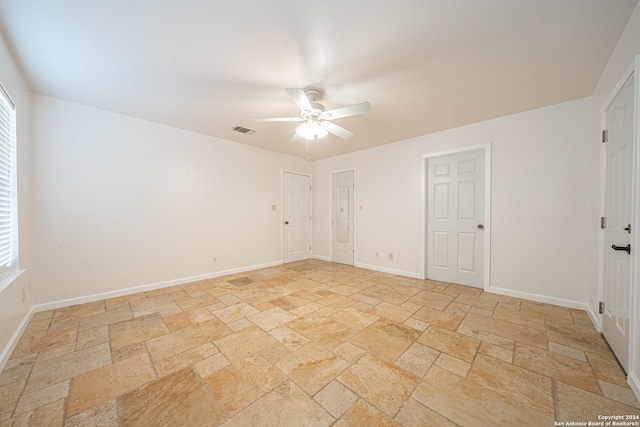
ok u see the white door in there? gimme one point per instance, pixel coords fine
(297, 217)
(455, 218)
(342, 220)
(617, 233)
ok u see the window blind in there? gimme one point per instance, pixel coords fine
(7, 182)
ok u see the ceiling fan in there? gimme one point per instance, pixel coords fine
(316, 122)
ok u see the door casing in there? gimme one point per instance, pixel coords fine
(331, 207)
(283, 212)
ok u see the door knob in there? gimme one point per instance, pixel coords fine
(481, 227)
(286, 222)
(627, 248)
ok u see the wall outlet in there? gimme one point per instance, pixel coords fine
(274, 207)
(390, 256)
(214, 259)
(24, 295)
(377, 254)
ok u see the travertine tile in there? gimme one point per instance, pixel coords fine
(577, 404)
(164, 310)
(606, 368)
(467, 403)
(275, 352)
(97, 386)
(128, 351)
(63, 368)
(386, 339)
(306, 309)
(235, 312)
(567, 351)
(336, 398)
(452, 343)
(349, 352)
(486, 337)
(289, 337)
(17, 370)
(453, 365)
(211, 364)
(392, 312)
(102, 415)
(184, 359)
(41, 397)
(50, 415)
(9, 395)
(523, 334)
(137, 330)
(190, 303)
(188, 318)
(92, 337)
(312, 367)
(322, 329)
(417, 359)
(183, 339)
(363, 414)
(416, 324)
(521, 385)
(285, 406)
(432, 299)
(237, 386)
(239, 325)
(442, 319)
(244, 343)
(355, 318)
(497, 352)
(106, 318)
(43, 315)
(82, 310)
(587, 339)
(387, 295)
(557, 366)
(177, 399)
(414, 414)
(272, 318)
(619, 394)
(380, 383)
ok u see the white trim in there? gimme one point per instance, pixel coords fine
(538, 298)
(634, 383)
(486, 148)
(282, 191)
(355, 212)
(321, 257)
(143, 288)
(13, 342)
(595, 319)
(411, 274)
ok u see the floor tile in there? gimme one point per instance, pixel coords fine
(41, 397)
(17, 370)
(523, 334)
(177, 399)
(272, 318)
(363, 414)
(188, 318)
(393, 312)
(286, 406)
(235, 312)
(336, 398)
(244, 343)
(103, 415)
(289, 337)
(50, 415)
(9, 395)
(380, 383)
(386, 339)
(312, 367)
(442, 319)
(452, 343)
(182, 360)
(453, 364)
(106, 318)
(414, 414)
(606, 368)
(432, 299)
(619, 393)
(578, 404)
(322, 329)
(237, 386)
(417, 359)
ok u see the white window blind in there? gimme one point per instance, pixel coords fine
(8, 217)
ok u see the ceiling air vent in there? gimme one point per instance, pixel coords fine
(244, 130)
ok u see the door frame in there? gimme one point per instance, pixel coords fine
(635, 217)
(282, 212)
(355, 211)
(486, 148)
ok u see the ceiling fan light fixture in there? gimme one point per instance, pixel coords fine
(311, 130)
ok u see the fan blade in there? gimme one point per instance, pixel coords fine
(337, 130)
(300, 98)
(279, 119)
(296, 137)
(351, 110)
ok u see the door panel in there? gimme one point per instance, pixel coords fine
(297, 219)
(455, 209)
(342, 217)
(617, 264)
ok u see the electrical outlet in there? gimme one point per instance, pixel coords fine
(24, 295)
(377, 254)
(214, 260)
(390, 256)
(274, 207)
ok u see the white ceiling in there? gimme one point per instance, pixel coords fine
(206, 66)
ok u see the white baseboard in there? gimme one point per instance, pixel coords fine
(321, 257)
(540, 298)
(634, 382)
(390, 270)
(13, 342)
(143, 288)
(595, 319)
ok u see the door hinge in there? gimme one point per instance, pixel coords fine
(601, 307)
(605, 136)
(603, 222)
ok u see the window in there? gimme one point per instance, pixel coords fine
(8, 204)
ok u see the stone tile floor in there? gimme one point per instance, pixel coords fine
(311, 343)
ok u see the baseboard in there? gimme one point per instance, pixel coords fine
(143, 288)
(390, 271)
(595, 319)
(321, 257)
(634, 382)
(13, 342)
(540, 298)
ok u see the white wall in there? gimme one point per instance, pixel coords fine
(627, 49)
(122, 202)
(541, 212)
(13, 308)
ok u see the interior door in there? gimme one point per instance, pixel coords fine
(455, 219)
(297, 217)
(342, 221)
(617, 233)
